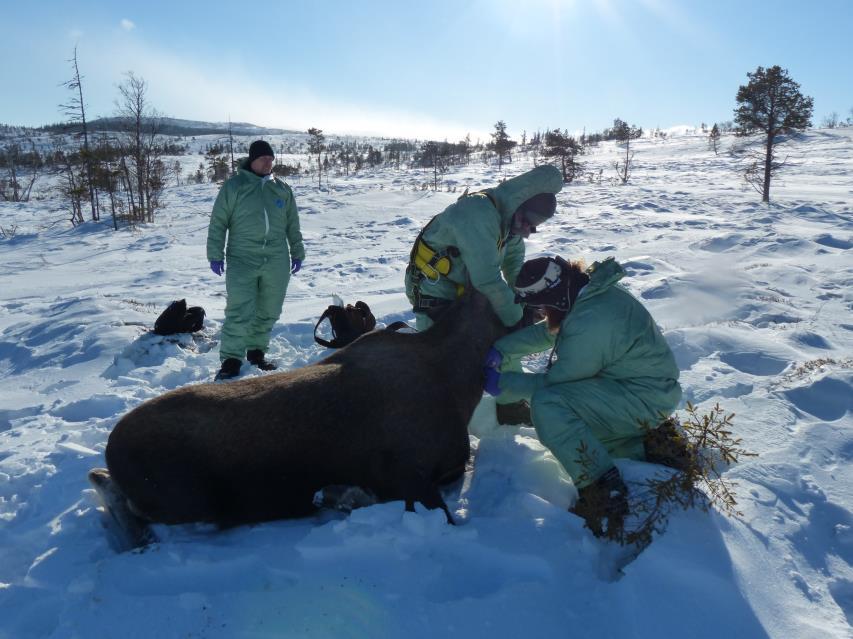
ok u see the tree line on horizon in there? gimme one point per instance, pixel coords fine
(122, 172)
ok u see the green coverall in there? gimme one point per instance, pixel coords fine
(478, 225)
(611, 370)
(260, 216)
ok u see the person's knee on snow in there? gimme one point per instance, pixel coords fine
(609, 367)
(568, 437)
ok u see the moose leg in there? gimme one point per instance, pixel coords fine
(132, 530)
(418, 488)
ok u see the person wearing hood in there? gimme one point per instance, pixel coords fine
(259, 215)
(609, 373)
(479, 240)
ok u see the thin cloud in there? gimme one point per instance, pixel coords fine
(181, 88)
(127, 25)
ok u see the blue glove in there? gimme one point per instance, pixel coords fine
(493, 358)
(492, 385)
(295, 265)
(217, 266)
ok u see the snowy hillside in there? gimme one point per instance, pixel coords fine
(755, 301)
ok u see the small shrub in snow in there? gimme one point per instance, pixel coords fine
(709, 447)
(798, 371)
(7, 233)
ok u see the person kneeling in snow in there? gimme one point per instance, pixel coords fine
(610, 371)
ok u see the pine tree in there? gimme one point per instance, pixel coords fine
(714, 138)
(565, 147)
(501, 143)
(771, 104)
(624, 133)
(429, 157)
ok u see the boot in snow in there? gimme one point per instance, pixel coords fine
(256, 358)
(666, 446)
(603, 505)
(512, 414)
(230, 368)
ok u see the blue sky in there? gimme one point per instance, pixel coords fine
(431, 68)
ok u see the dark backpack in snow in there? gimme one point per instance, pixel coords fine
(177, 318)
(348, 323)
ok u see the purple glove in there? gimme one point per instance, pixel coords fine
(217, 266)
(493, 358)
(295, 265)
(492, 385)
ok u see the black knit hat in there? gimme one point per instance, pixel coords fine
(543, 281)
(538, 208)
(258, 149)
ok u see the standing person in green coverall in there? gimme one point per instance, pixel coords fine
(480, 238)
(258, 212)
(610, 372)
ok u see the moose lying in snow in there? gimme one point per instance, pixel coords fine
(388, 414)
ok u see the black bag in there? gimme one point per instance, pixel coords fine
(348, 323)
(177, 318)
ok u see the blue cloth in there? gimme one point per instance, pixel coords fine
(492, 385)
(217, 266)
(295, 265)
(493, 358)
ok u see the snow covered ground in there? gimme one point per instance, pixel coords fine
(755, 300)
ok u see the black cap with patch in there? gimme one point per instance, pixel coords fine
(543, 281)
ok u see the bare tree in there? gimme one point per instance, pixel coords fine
(771, 104)
(133, 108)
(107, 174)
(75, 109)
(232, 165)
(315, 145)
(346, 157)
(73, 184)
(12, 189)
(145, 171)
(831, 121)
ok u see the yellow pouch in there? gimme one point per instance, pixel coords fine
(426, 262)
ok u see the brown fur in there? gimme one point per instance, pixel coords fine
(388, 413)
(555, 318)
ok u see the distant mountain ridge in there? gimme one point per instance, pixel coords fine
(171, 126)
